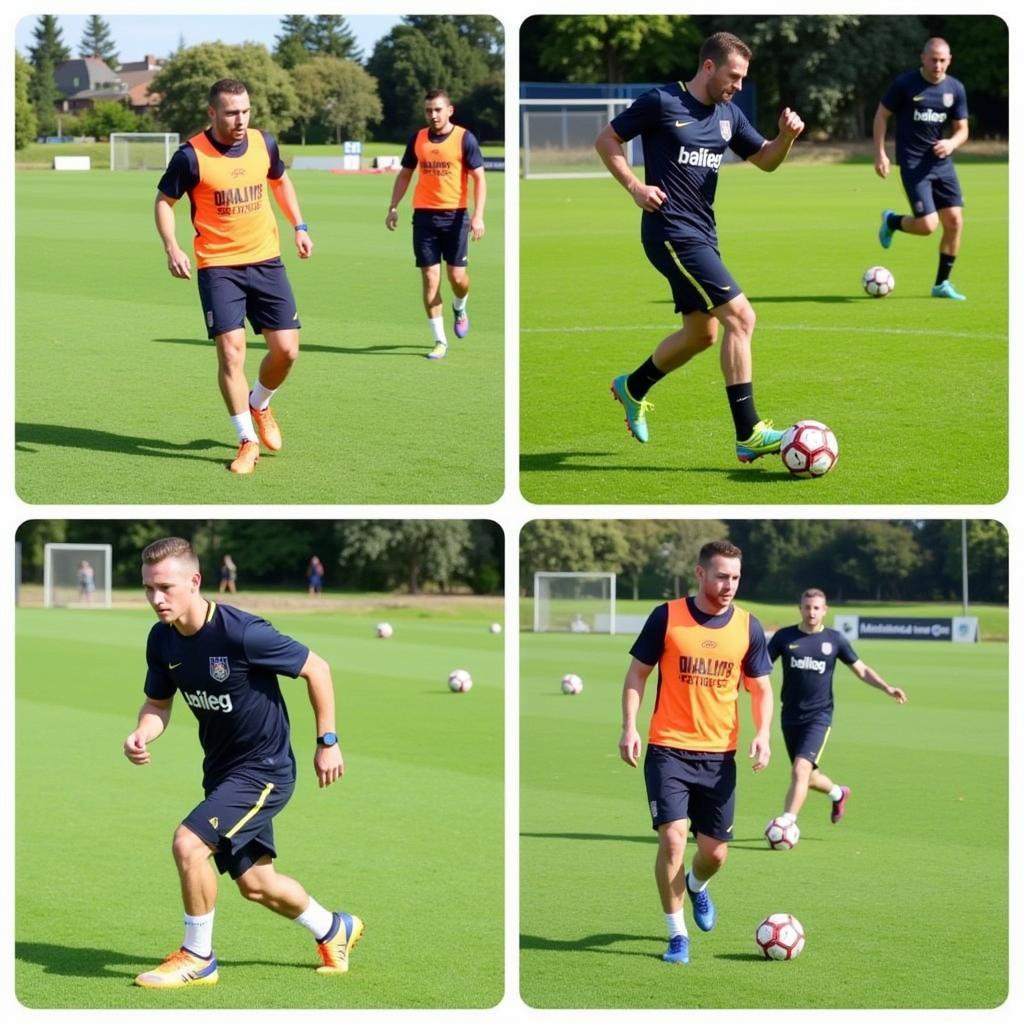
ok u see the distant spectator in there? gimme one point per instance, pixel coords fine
(228, 575)
(315, 576)
(86, 582)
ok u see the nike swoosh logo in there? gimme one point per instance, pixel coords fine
(917, 99)
(683, 124)
(175, 665)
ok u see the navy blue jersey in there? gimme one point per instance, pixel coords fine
(808, 662)
(650, 644)
(472, 158)
(684, 141)
(922, 111)
(227, 674)
(182, 174)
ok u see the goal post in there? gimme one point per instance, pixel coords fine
(77, 575)
(141, 151)
(574, 602)
(558, 136)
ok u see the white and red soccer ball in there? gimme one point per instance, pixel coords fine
(780, 937)
(572, 684)
(878, 282)
(384, 630)
(460, 681)
(782, 834)
(809, 448)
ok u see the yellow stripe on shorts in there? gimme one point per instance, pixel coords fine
(824, 743)
(689, 277)
(259, 803)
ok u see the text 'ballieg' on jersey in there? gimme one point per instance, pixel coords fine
(808, 663)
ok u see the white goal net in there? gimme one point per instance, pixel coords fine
(574, 602)
(76, 575)
(141, 151)
(558, 137)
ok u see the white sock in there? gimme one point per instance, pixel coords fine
(244, 429)
(675, 922)
(259, 397)
(459, 304)
(316, 918)
(836, 793)
(437, 328)
(787, 817)
(199, 934)
(694, 885)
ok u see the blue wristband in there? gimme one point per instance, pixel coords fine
(302, 227)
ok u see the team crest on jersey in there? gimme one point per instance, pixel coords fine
(826, 648)
(947, 99)
(219, 669)
(725, 127)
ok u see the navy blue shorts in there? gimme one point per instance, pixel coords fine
(932, 188)
(440, 235)
(236, 819)
(695, 272)
(259, 291)
(690, 784)
(806, 739)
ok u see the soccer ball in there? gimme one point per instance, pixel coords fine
(495, 627)
(460, 681)
(780, 937)
(878, 282)
(782, 834)
(384, 630)
(572, 684)
(809, 448)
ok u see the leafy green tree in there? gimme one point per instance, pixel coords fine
(483, 32)
(49, 44)
(339, 94)
(49, 51)
(103, 118)
(184, 83)
(294, 45)
(570, 545)
(482, 110)
(333, 37)
(25, 121)
(680, 546)
(643, 542)
(97, 41)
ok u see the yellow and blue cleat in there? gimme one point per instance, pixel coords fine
(763, 441)
(947, 291)
(636, 412)
(885, 232)
(678, 951)
(335, 948)
(181, 968)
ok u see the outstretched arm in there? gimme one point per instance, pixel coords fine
(632, 697)
(153, 718)
(327, 762)
(868, 675)
(284, 195)
(771, 154)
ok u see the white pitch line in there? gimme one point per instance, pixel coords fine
(768, 328)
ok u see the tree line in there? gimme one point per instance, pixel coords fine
(851, 560)
(410, 556)
(314, 86)
(832, 68)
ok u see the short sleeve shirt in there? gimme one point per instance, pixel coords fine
(808, 664)
(182, 173)
(922, 111)
(472, 158)
(684, 142)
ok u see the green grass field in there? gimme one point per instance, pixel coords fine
(413, 834)
(904, 903)
(915, 388)
(116, 394)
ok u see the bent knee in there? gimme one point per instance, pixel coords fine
(187, 846)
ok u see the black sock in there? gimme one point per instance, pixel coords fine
(642, 379)
(895, 221)
(945, 267)
(741, 405)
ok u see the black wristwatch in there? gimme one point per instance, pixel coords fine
(329, 739)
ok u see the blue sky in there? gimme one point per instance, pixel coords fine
(136, 36)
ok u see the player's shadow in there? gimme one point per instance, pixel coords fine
(554, 462)
(761, 299)
(591, 836)
(742, 958)
(362, 350)
(602, 942)
(54, 434)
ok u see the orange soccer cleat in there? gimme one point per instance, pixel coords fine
(181, 968)
(246, 459)
(269, 431)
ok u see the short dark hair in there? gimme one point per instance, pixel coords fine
(717, 48)
(228, 87)
(436, 94)
(721, 548)
(170, 547)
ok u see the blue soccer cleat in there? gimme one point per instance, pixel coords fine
(338, 943)
(704, 915)
(636, 412)
(763, 441)
(461, 322)
(885, 232)
(678, 951)
(947, 291)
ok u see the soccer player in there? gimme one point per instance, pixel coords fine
(686, 128)
(229, 172)
(809, 652)
(923, 101)
(704, 647)
(447, 156)
(225, 664)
